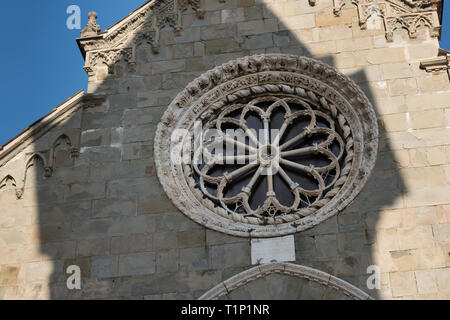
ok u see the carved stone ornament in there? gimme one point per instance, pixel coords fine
(311, 143)
(410, 15)
(141, 27)
(92, 29)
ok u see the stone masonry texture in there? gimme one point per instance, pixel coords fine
(106, 211)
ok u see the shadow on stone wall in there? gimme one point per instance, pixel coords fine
(107, 213)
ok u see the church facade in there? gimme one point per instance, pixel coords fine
(240, 149)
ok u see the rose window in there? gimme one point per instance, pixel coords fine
(266, 145)
(290, 165)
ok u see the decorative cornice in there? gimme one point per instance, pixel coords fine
(289, 269)
(141, 26)
(407, 14)
(437, 64)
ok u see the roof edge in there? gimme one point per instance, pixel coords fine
(39, 127)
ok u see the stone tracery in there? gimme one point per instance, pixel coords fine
(304, 89)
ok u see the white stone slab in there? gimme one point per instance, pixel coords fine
(273, 250)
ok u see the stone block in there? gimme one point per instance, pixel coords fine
(175, 221)
(113, 208)
(415, 237)
(426, 101)
(157, 204)
(194, 259)
(423, 51)
(139, 133)
(168, 66)
(191, 238)
(104, 267)
(257, 27)
(400, 87)
(167, 261)
(428, 196)
(395, 122)
(338, 32)
(404, 260)
(258, 41)
(442, 233)
(132, 225)
(9, 275)
(91, 229)
(214, 238)
(182, 50)
(421, 177)
(387, 240)
(229, 255)
(95, 137)
(131, 244)
(188, 35)
(220, 31)
(304, 21)
(396, 70)
(385, 55)
(142, 116)
(200, 63)
(95, 155)
(443, 280)
(329, 18)
(403, 284)
(85, 191)
(354, 44)
(221, 46)
(131, 151)
(120, 102)
(428, 119)
(322, 48)
(93, 247)
(327, 246)
(434, 82)
(165, 240)
(246, 3)
(426, 281)
(253, 13)
(216, 5)
(199, 50)
(137, 264)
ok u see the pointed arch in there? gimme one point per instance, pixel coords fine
(288, 269)
(32, 162)
(61, 141)
(8, 180)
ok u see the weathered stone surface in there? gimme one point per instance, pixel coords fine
(137, 264)
(105, 210)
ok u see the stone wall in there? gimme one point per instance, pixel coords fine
(106, 212)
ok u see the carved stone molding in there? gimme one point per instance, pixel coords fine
(399, 14)
(297, 80)
(437, 64)
(142, 26)
(45, 159)
(289, 269)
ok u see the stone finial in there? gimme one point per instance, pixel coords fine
(92, 28)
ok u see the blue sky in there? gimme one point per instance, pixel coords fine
(42, 65)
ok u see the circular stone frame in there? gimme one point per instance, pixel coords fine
(271, 73)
